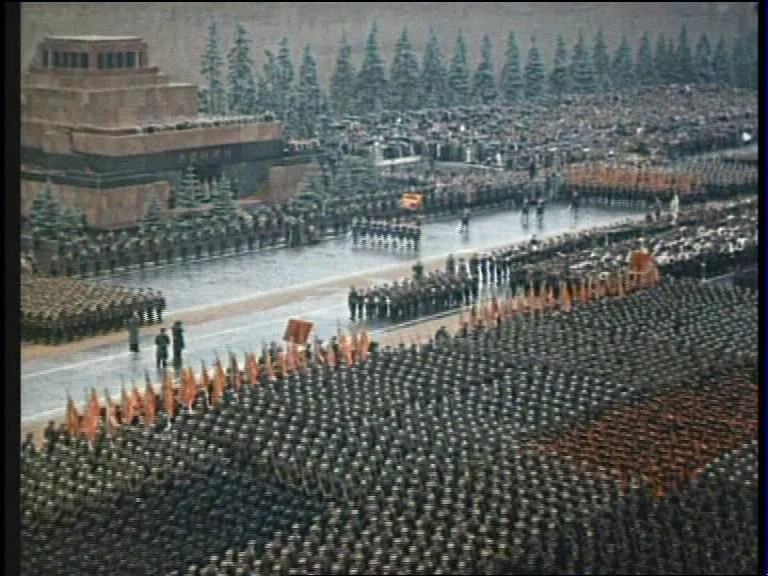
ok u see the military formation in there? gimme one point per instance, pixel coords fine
(393, 233)
(706, 242)
(541, 445)
(60, 310)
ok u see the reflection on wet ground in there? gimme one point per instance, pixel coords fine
(46, 381)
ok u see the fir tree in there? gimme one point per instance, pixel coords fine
(484, 81)
(672, 66)
(622, 68)
(661, 60)
(188, 192)
(558, 81)
(703, 61)
(152, 213)
(458, 74)
(292, 118)
(684, 70)
(285, 77)
(342, 90)
(371, 80)
(744, 61)
(404, 76)
(534, 73)
(721, 64)
(434, 80)
(211, 70)
(269, 84)
(310, 95)
(242, 86)
(582, 69)
(645, 71)
(44, 212)
(511, 78)
(601, 62)
(223, 203)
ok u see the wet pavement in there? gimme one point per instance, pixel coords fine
(46, 381)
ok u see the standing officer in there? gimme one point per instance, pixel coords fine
(133, 333)
(177, 331)
(352, 303)
(161, 345)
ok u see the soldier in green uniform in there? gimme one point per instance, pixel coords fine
(352, 299)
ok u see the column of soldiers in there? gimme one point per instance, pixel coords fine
(549, 446)
(59, 310)
(701, 246)
(394, 233)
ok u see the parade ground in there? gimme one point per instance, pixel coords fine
(240, 303)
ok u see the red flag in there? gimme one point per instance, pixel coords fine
(584, 294)
(253, 368)
(126, 408)
(93, 406)
(169, 395)
(138, 402)
(89, 425)
(234, 366)
(112, 421)
(205, 380)
(219, 379)
(73, 418)
(150, 404)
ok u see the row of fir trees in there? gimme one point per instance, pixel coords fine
(432, 81)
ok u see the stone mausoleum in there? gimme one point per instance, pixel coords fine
(108, 130)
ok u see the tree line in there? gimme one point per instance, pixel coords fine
(300, 102)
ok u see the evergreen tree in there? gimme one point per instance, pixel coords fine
(44, 213)
(434, 80)
(484, 81)
(721, 64)
(404, 76)
(292, 120)
(188, 193)
(582, 69)
(672, 66)
(70, 221)
(310, 95)
(684, 70)
(371, 80)
(601, 62)
(661, 60)
(622, 67)
(269, 84)
(703, 61)
(645, 70)
(558, 81)
(242, 86)
(342, 90)
(223, 204)
(211, 70)
(744, 61)
(511, 78)
(152, 213)
(458, 74)
(534, 73)
(285, 77)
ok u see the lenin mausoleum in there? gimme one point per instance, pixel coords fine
(107, 130)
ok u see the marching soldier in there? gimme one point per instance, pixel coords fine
(177, 331)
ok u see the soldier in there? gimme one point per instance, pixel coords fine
(370, 304)
(161, 347)
(352, 299)
(450, 266)
(418, 272)
(133, 333)
(177, 331)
